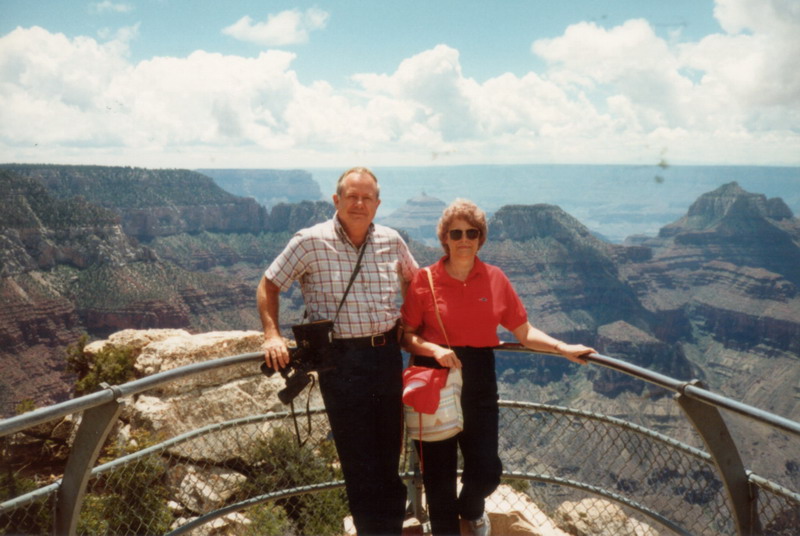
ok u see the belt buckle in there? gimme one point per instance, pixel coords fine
(378, 340)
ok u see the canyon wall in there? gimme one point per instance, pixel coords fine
(90, 249)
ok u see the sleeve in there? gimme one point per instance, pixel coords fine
(514, 313)
(289, 265)
(407, 265)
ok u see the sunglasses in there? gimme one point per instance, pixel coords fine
(456, 234)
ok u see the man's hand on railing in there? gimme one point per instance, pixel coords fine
(276, 354)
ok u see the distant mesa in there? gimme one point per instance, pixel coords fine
(268, 187)
(418, 217)
(732, 225)
(729, 206)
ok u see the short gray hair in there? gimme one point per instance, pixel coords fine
(361, 171)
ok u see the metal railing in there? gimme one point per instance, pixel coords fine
(249, 475)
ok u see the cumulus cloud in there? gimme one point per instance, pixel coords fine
(628, 60)
(65, 92)
(290, 27)
(741, 80)
(432, 83)
(757, 60)
(619, 94)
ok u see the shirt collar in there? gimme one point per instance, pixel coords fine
(478, 269)
(340, 232)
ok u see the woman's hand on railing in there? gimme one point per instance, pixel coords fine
(576, 353)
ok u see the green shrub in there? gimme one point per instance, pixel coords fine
(113, 365)
(285, 466)
(35, 518)
(268, 520)
(131, 499)
(518, 484)
(25, 406)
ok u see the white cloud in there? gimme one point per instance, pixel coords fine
(627, 61)
(107, 6)
(609, 95)
(766, 17)
(434, 83)
(63, 92)
(748, 78)
(289, 27)
(757, 63)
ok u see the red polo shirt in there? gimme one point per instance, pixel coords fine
(471, 310)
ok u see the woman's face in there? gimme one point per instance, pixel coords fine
(462, 246)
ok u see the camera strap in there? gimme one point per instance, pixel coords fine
(357, 268)
(349, 283)
(352, 278)
(301, 443)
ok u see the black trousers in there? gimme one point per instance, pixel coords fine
(478, 443)
(363, 399)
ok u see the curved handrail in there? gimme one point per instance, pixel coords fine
(687, 388)
(115, 392)
(690, 388)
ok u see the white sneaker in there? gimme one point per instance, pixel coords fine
(481, 526)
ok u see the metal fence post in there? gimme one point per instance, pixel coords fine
(415, 491)
(95, 426)
(708, 422)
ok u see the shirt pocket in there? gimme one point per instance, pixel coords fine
(330, 279)
(381, 279)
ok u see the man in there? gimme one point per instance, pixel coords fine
(363, 390)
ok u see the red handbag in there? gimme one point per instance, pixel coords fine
(422, 387)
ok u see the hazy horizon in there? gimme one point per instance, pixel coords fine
(615, 201)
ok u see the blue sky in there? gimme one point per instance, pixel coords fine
(179, 83)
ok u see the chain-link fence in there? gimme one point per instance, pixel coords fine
(272, 474)
(571, 455)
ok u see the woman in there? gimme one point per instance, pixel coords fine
(473, 299)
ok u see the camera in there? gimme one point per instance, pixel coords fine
(314, 340)
(297, 374)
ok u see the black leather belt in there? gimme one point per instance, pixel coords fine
(371, 341)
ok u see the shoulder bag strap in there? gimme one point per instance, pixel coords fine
(436, 305)
(352, 278)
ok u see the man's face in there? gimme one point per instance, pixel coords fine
(359, 201)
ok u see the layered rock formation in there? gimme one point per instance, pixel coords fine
(713, 296)
(152, 203)
(223, 393)
(43, 243)
(722, 284)
(269, 187)
(69, 266)
(418, 217)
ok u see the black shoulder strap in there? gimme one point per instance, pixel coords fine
(352, 278)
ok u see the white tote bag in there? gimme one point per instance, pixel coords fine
(448, 420)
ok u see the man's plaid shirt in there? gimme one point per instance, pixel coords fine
(322, 258)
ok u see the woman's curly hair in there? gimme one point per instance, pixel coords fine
(466, 210)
